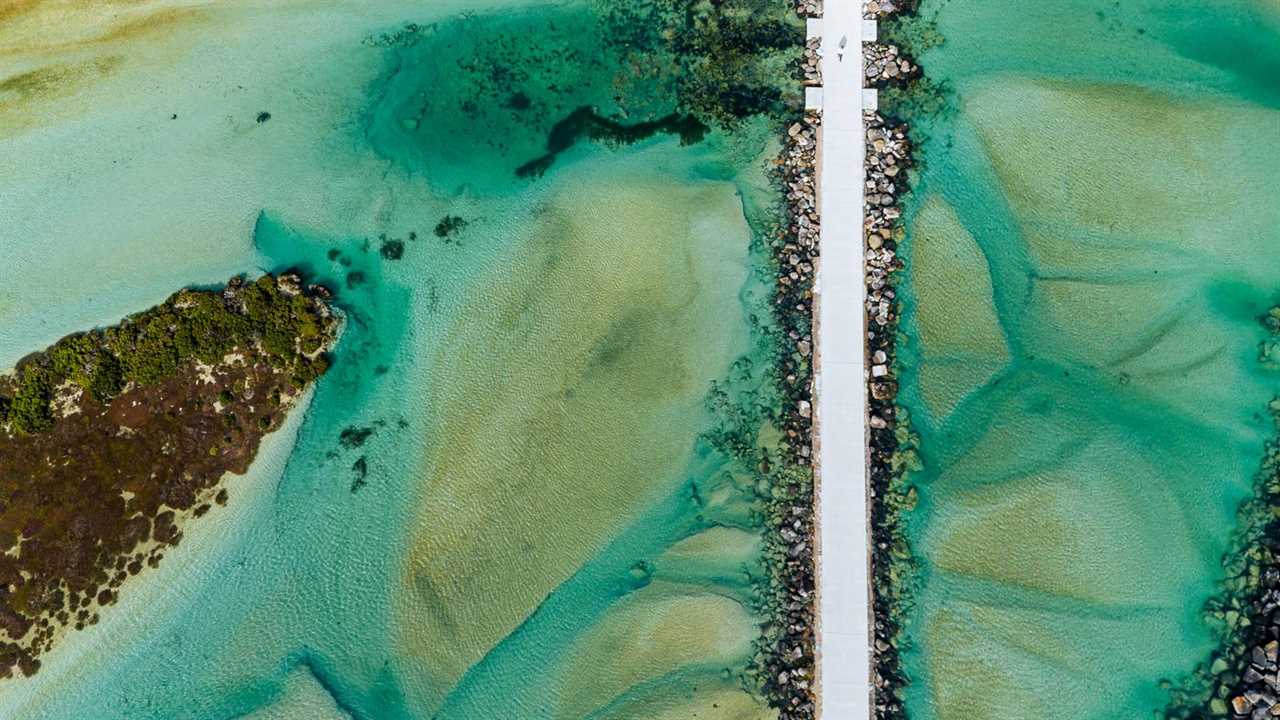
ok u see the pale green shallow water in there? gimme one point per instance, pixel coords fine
(541, 533)
(1093, 236)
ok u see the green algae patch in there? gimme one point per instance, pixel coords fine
(472, 102)
(111, 438)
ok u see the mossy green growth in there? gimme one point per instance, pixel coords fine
(270, 314)
(730, 58)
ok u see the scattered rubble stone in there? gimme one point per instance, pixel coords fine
(884, 65)
(786, 666)
(893, 446)
(811, 64)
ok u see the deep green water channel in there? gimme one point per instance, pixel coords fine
(1092, 236)
(526, 522)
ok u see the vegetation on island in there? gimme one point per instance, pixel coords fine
(151, 346)
(112, 438)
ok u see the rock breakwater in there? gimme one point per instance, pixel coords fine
(785, 664)
(876, 9)
(892, 451)
(883, 64)
(893, 455)
(788, 659)
(811, 64)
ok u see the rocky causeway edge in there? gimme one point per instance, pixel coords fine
(889, 158)
(784, 667)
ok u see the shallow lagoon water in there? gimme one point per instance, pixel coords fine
(533, 527)
(1092, 238)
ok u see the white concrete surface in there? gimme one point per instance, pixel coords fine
(844, 674)
(813, 98)
(869, 31)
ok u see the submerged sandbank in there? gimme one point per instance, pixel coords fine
(1088, 405)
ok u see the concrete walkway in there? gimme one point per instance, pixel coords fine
(844, 676)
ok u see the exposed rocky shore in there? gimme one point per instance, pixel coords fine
(1242, 678)
(110, 440)
(788, 665)
(892, 444)
(785, 664)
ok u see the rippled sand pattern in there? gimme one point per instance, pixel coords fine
(549, 378)
(1095, 231)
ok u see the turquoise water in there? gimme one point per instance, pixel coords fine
(1092, 236)
(539, 531)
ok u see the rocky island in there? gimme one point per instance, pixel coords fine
(111, 439)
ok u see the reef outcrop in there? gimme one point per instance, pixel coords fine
(111, 439)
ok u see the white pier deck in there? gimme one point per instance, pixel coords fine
(844, 676)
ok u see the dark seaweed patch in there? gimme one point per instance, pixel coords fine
(392, 249)
(448, 225)
(586, 123)
(359, 471)
(519, 101)
(354, 436)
